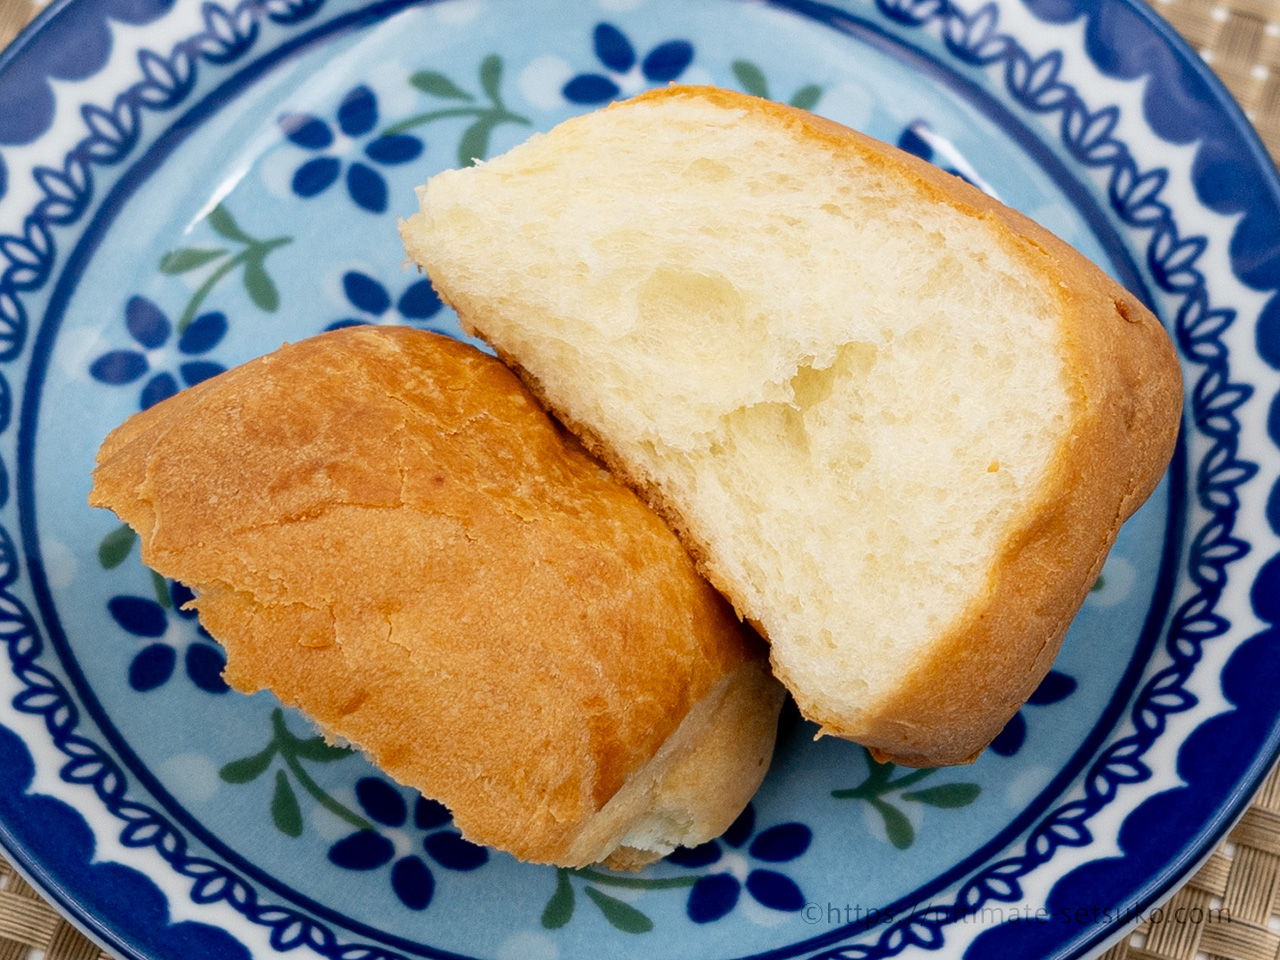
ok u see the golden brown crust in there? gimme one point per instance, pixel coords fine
(1123, 372)
(385, 529)
(1126, 404)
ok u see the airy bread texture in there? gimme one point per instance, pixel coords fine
(383, 528)
(898, 424)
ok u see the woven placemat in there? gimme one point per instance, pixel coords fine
(1230, 909)
(1240, 40)
(14, 15)
(29, 926)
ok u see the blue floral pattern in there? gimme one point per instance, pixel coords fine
(1054, 688)
(357, 117)
(625, 72)
(151, 330)
(152, 666)
(411, 877)
(373, 303)
(715, 895)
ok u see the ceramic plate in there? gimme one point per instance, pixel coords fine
(186, 185)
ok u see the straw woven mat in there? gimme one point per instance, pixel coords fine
(1230, 909)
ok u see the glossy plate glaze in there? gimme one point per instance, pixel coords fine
(184, 186)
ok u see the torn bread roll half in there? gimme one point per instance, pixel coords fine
(898, 424)
(384, 529)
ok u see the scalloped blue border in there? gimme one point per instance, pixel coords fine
(227, 91)
(974, 40)
(70, 40)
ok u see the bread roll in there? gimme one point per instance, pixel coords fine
(898, 424)
(384, 529)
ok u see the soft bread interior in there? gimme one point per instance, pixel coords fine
(841, 391)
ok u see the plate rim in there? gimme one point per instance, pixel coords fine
(1215, 87)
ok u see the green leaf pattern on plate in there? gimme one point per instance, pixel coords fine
(116, 546)
(286, 813)
(474, 143)
(559, 909)
(752, 80)
(252, 257)
(881, 783)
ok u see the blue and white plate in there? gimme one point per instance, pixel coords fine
(185, 185)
